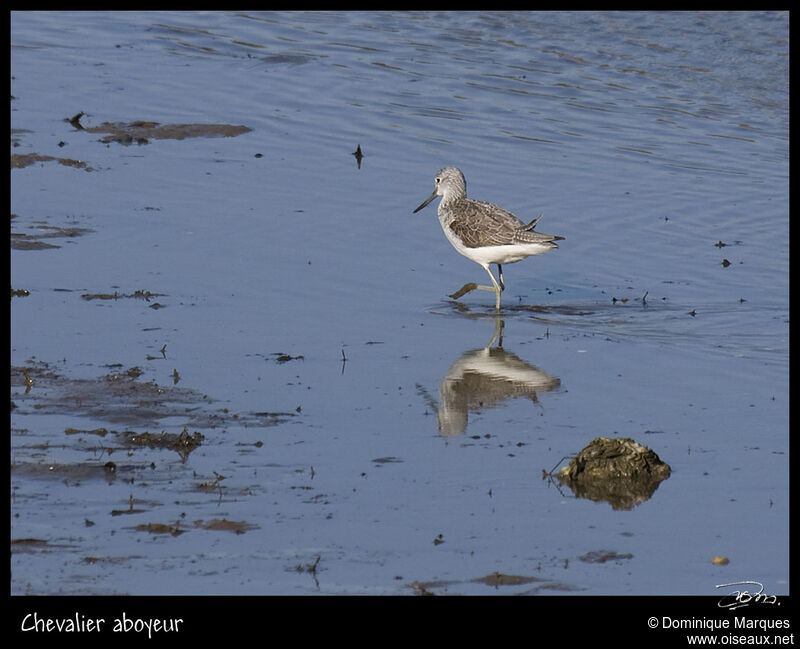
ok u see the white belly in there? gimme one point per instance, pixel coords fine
(506, 254)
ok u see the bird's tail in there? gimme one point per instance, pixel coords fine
(532, 225)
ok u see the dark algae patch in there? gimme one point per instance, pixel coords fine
(511, 583)
(160, 528)
(138, 295)
(141, 132)
(120, 397)
(183, 443)
(224, 525)
(40, 236)
(603, 556)
(22, 160)
(497, 579)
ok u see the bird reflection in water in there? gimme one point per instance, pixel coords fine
(485, 378)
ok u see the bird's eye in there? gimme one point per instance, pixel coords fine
(438, 180)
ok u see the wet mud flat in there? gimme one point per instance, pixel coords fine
(96, 459)
(113, 460)
(122, 484)
(68, 482)
(119, 397)
(123, 471)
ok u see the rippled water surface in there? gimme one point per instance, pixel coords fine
(235, 365)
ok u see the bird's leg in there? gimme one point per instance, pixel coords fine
(500, 273)
(497, 288)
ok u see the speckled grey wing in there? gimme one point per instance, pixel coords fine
(483, 224)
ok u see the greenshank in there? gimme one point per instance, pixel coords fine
(483, 232)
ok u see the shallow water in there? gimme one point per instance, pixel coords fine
(298, 319)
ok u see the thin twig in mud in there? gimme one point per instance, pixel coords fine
(546, 474)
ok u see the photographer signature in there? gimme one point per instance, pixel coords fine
(741, 598)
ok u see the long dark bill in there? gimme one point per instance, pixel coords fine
(427, 200)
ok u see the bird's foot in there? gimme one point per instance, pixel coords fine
(471, 286)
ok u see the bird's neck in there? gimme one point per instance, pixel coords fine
(452, 199)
